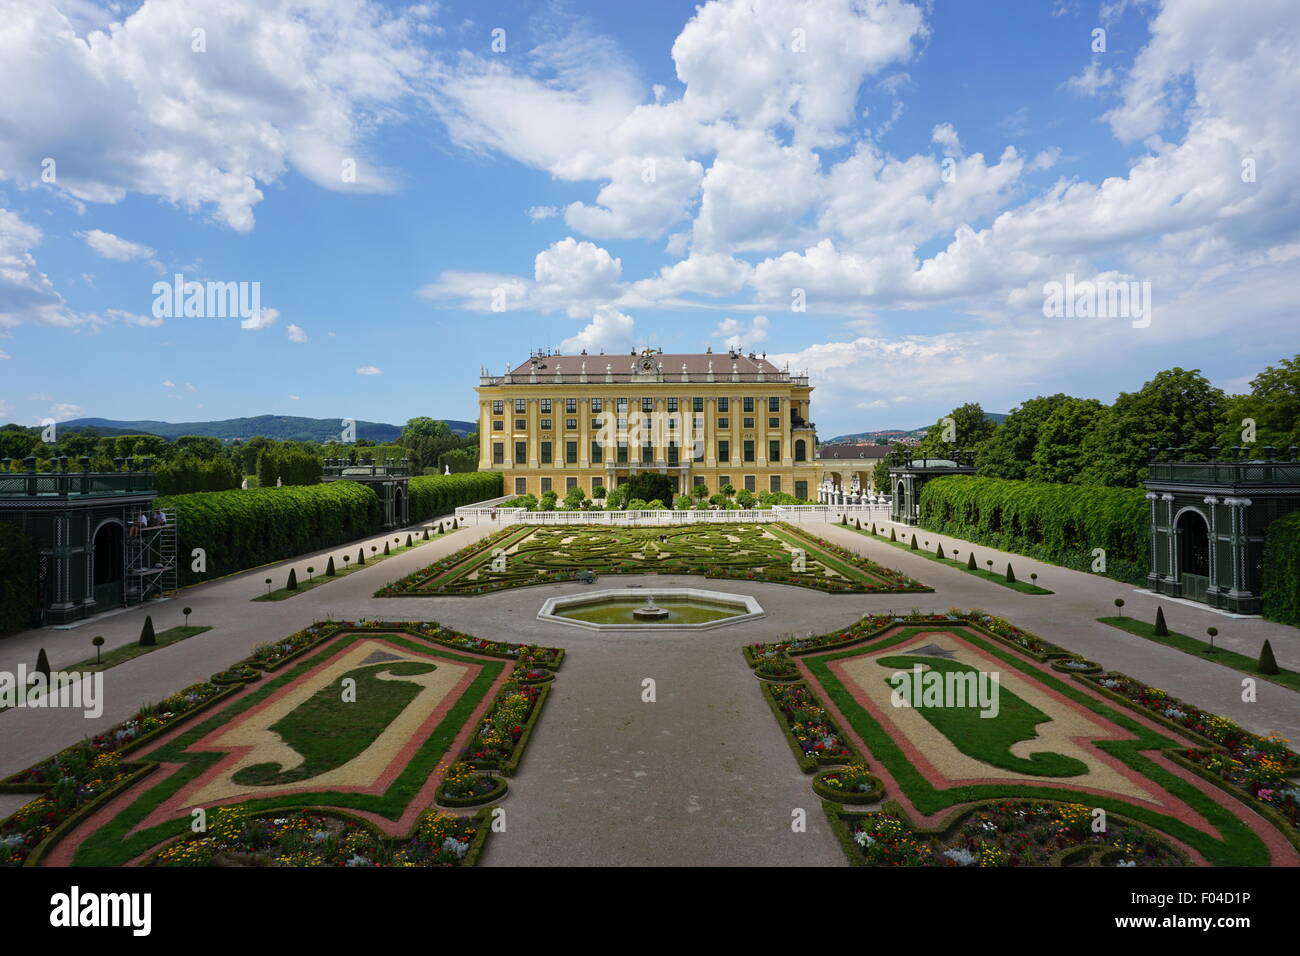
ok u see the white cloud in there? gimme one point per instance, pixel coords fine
(735, 335)
(1093, 79)
(294, 398)
(4, 355)
(369, 370)
(190, 388)
(263, 318)
(109, 246)
(133, 318)
(296, 334)
(130, 107)
(169, 384)
(608, 330)
(946, 136)
(64, 411)
(27, 296)
(538, 213)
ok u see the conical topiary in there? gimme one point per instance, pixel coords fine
(970, 562)
(329, 568)
(873, 527)
(857, 523)
(892, 535)
(43, 666)
(426, 535)
(1162, 630)
(913, 544)
(939, 552)
(844, 520)
(1011, 575)
(440, 530)
(1267, 662)
(293, 580)
(454, 524)
(361, 556)
(147, 637)
(386, 551)
(409, 542)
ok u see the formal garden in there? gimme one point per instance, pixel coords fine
(780, 553)
(344, 744)
(1073, 765)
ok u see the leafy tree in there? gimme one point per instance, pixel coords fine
(745, 498)
(683, 503)
(728, 489)
(1009, 453)
(1176, 409)
(573, 498)
(651, 485)
(199, 446)
(700, 490)
(972, 429)
(1058, 454)
(1273, 403)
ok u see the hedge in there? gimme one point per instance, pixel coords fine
(1060, 524)
(1281, 570)
(17, 579)
(433, 495)
(247, 528)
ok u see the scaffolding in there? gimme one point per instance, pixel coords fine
(150, 554)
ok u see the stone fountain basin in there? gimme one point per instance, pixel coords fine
(745, 608)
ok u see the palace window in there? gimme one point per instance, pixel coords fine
(570, 484)
(498, 426)
(546, 424)
(521, 424)
(774, 404)
(546, 453)
(546, 406)
(647, 453)
(773, 451)
(521, 452)
(697, 404)
(749, 452)
(621, 456)
(647, 404)
(774, 423)
(498, 407)
(749, 403)
(546, 485)
(750, 484)
(521, 486)
(597, 453)
(672, 404)
(724, 404)
(597, 405)
(774, 483)
(672, 454)
(749, 423)
(571, 423)
(498, 453)
(724, 451)
(724, 422)
(570, 452)
(521, 405)
(570, 405)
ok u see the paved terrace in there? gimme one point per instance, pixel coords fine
(701, 776)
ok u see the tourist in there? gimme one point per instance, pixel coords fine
(160, 519)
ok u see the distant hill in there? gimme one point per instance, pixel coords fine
(884, 436)
(280, 427)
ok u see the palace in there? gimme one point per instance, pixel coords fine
(558, 422)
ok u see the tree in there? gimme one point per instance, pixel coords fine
(197, 446)
(329, 568)
(728, 489)
(573, 498)
(1176, 409)
(971, 429)
(43, 667)
(700, 490)
(1009, 453)
(1273, 404)
(650, 485)
(745, 498)
(1058, 454)
(683, 503)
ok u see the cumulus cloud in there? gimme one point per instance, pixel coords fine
(369, 370)
(109, 246)
(27, 296)
(263, 318)
(608, 330)
(296, 334)
(736, 335)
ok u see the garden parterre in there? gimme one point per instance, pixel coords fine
(779, 553)
(1150, 746)
(91, 805)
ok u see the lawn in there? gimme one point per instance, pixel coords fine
(1024, 587)
(1199, 648)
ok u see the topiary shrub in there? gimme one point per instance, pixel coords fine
(1267, 662)
(1011, 575)
(857, 523)
(892, 535)
(844, 520)
(361, 555)
(329, 568)
(147, 636)
(292, 584)
(409, 542)
(43, 667)
(913, 544)
(939, 551)
(426, 535)
(440, 528)
(455, 524)
(386, 551)
(970, 562)
(1161, 629)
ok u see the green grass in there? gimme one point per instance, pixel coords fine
(1201, 649)
(316, 580)
(1024, 587)
(327, 730)
(119, 840)
(1237, 845)
(987, 739)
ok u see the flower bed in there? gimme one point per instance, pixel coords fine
(851, 784)
(815, 740)
(463, 786)
(498, 742)
(1004, 833)
(1262, 767)
(236, 837)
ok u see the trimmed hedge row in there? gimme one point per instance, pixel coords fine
(1281, 570)
(247, 528)
(1060, 524)
(17, 579)
(439, 494)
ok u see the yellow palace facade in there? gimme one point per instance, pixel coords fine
(562, 421)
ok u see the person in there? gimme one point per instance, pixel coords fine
(144, 520)
(160, 519)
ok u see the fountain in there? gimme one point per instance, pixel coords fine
(650, 611)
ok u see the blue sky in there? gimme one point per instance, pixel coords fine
(788, 144)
